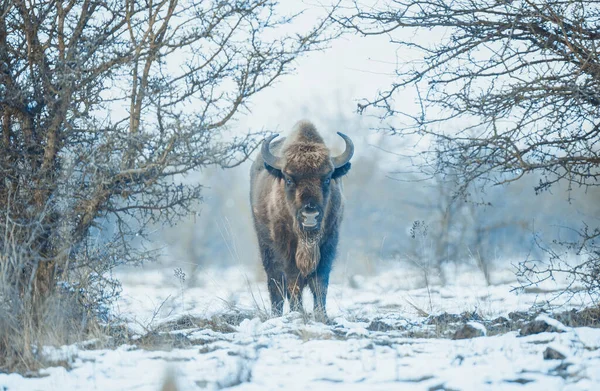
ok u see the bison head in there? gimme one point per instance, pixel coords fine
(306, 170)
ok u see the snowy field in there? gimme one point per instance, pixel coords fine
(389, 332)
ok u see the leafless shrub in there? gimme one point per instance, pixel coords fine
(104, 106)
(575, 263)
(509, 88)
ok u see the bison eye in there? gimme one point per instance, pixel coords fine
(327, 181)
(289, 182)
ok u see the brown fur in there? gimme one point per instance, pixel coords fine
(308, 253)
(304, 159)
(304, 132)
(291, 254)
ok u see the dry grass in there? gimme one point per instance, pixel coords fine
(30, 317)
(28, 325)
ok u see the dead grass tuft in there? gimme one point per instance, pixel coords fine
(27, 327)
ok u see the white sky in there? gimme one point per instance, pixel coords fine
(326, 85)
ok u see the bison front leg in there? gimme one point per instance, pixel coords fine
(318, 284)
(277, 287)
(276, 281)
(295, 288)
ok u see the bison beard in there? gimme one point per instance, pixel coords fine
(295, 192)
(308, 253)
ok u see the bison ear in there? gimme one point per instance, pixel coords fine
(341, 171)
(273, 171)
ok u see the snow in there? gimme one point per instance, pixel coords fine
(478, 326)
(552, 322)
(293, 352)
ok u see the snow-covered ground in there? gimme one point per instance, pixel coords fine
(388, 333)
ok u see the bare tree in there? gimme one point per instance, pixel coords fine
(503, 89)
(104, 105)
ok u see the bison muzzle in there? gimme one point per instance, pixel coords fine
(297, 206)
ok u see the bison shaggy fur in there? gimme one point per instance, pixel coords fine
(297, 207)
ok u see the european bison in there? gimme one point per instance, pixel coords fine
(296, 198)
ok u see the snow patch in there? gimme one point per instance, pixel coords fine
(372, 343)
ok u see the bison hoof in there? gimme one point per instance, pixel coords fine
(323, 318)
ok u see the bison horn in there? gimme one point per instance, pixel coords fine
(268, 157)
(345, 157)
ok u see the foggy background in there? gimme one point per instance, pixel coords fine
(393, 216)
(385, 196)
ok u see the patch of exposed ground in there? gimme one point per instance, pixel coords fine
(188, 330)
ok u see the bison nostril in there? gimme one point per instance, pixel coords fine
(310, 215)
(310, 209)
(310, 218)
